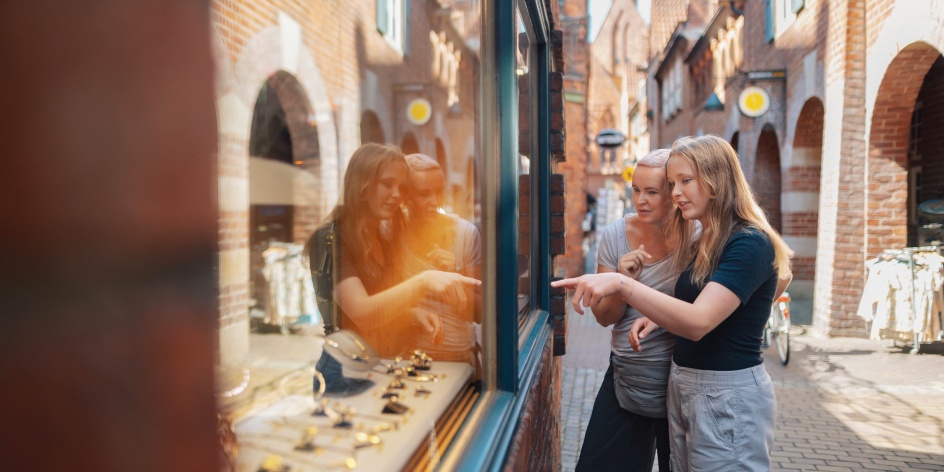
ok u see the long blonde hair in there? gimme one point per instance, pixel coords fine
(731, 206)
(360, 231)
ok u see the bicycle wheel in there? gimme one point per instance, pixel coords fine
(781, 331)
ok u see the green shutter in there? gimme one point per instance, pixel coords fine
(769, 24)
(382, 16)
(406, 27)
(798, 5)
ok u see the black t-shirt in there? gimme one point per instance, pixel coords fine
(745, 268)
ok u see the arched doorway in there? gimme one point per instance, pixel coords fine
(371, 129)
(905, 146)
(767, 180)
(284, 164)
(801, 192)
(409, 145)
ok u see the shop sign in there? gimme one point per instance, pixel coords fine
(610, 138)
(419, 111)
(776, 74)
(628, 173)
(754, 102)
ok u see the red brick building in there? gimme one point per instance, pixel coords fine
(842, 154)
(617, 98)
(576, 58)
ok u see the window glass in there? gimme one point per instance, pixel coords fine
(527, 149)
(349, 202)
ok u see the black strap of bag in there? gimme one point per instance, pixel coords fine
(321, 256)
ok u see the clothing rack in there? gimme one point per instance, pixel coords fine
(291, 296)
(907, 255)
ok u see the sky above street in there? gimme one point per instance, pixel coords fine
(598, 9)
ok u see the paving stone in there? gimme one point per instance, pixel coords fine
(843, 404)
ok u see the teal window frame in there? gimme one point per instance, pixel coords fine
(513, 355)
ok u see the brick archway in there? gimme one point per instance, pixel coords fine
(409, 145)
(801, 192)
(767, 176)
(888, 162)
(371, 129)
(283, 131)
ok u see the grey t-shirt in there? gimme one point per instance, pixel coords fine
(659, 275)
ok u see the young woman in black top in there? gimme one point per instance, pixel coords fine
(721, 402)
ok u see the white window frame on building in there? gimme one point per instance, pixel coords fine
(391, 22)
(780, 15)
(672, 91)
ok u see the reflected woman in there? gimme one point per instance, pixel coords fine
(443, 242)
(375, 299)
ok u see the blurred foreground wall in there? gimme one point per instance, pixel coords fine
(108, 239)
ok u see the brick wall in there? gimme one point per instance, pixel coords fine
(767, 183)
(802, 179)
(537, 444)
(888, 147)
(665, 16)
(575, 66)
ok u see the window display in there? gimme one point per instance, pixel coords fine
(351, 251)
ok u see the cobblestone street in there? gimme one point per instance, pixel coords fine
(844, 404)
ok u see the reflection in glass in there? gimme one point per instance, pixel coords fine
(383, 291)
(440, 241)
(326, 154)
(526, 148)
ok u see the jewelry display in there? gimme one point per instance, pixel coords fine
(343, 416)
(382, 427)
(394, 407)
(421, 361)
(362, 439)
(273, 463)
(316, 430)
(307, 443)
(392, 367)
(348, 463)
(320, 402)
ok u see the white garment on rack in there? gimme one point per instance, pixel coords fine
(291, 292)
(892, 286)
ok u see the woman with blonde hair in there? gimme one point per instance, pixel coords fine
(445, 242)
(375, 298)
(721, 403)
(628, 424)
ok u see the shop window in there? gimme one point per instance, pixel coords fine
(527, 147)
(341, 229)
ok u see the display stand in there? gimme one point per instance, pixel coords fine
(369, 439)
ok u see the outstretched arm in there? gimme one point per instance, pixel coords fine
(353, 298)
(689, 320)
(610, 309)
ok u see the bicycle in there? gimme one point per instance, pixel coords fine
(777, 330)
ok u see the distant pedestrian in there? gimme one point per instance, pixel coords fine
(721, 403)
(628, 423)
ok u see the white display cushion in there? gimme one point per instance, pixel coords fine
(277, 428)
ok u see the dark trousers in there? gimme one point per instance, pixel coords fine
(617, 439)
